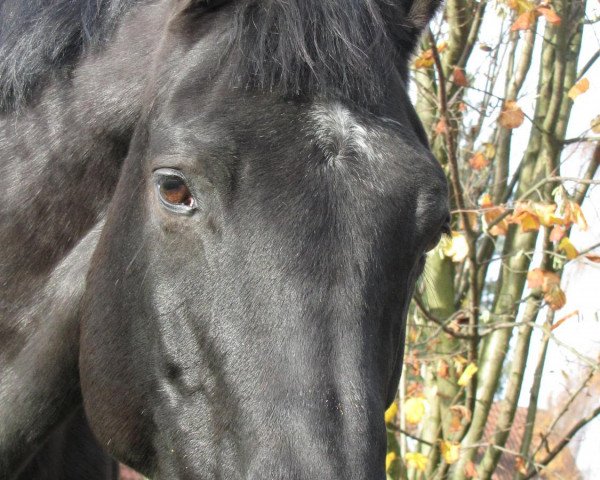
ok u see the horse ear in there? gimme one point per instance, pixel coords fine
(420, 12)
(413, 16)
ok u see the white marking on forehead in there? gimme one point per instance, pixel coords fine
(339, 133)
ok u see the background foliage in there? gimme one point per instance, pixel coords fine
(497, 279)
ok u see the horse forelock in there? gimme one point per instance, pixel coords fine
(307, 47)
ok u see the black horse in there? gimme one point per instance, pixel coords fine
(212, 217)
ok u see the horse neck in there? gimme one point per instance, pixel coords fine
(60, 156)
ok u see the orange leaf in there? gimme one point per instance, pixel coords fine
(563, 319)
(593, 258)
(549, 284)
(426, 59)
(443, 369)
(491, 213)
(442, 46)
(557, 233)
(462, 107)
(441, 127)
(580, 87)
(555, 297)
(459, 413)
(550, 15)
(542, 279)
(521, 466)
(524, 21)
(486, 200)
(478, 161)
(459, 77)
(535, 278)
(511, 115)
(470, 470)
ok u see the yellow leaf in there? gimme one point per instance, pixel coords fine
(414, 409)
(391, 412)
(450, 451)
(595, 124)
(389, 459)
(546, 214)
(528, 221)
(455, 247)
(465, 378)
(424, 62)
(520, 5)
(416, 460)
(566, 246)
(576, 216)
(580, 87)
(489, 150)
(530, 215)
(511, 115)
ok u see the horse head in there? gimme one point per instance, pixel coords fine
(245, 307)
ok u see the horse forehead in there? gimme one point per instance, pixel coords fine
(337, 130)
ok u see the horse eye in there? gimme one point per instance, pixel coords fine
(173, 191)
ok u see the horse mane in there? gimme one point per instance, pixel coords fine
(346, 47)
(39, 38)
(298, 46)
